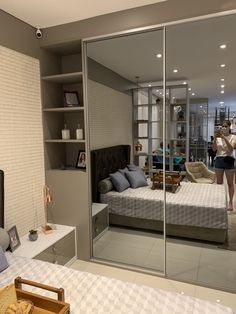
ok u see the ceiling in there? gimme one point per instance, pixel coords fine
(192, 48)
(46, 13)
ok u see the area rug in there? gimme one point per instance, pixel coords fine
(230, 244)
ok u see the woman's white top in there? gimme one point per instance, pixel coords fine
(222, 148)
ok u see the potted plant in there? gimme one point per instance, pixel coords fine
(33, 235)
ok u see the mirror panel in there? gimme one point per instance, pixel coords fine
(123, 111)
(204, 251)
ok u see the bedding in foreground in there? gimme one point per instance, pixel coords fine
(89, 293)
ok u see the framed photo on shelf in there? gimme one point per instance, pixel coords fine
(81, 160)
(14, 238)
(71, 98)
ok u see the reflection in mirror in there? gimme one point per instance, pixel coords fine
(125, 127)
(203, 53)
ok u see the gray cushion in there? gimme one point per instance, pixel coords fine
(3, 260)
(4, 239)
(136, 179)
(105, 185)
(124, 170)
(119, 181)
(132, 167)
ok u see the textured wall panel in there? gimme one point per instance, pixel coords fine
(110, 116)
(21, 140)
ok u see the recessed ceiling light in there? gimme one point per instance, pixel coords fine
(160, 93)
(157, 90)
(201, 106)
(173, 97)
(193, 94)
(222, 79)
(223, 46)
(184, 83)
(175, 70)
(222, 102)
(158, 55)
(222, 92)
(222, 86)
(149, 85)
(222, 65)
(189, 88)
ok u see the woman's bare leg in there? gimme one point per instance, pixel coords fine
(219, 176)
(230, 181)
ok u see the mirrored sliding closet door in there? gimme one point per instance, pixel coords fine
(201, 231)
(125, 104)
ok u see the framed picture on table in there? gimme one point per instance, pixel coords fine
(14, 238)
(81, 160)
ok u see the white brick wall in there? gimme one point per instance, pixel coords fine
(21, 140)
(110, 116)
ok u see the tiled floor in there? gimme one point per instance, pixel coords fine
(224, 298)
(188, 261)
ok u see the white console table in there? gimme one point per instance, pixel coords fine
(58, 247)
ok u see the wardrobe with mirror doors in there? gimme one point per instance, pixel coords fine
(185, 233)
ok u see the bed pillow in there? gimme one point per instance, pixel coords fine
(124, 170)
(136, 168)
(3, 260)
(105, 185)
(119, 181)
(136, 179)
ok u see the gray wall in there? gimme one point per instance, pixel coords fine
(17, 35)
(171, 10)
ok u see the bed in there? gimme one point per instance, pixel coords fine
(195, 211)
(89, 293)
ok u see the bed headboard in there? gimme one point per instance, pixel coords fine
(105, 161)
(1, 199)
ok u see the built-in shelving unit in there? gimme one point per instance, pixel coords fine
(65, 76)
(61, 70)
(148, 124)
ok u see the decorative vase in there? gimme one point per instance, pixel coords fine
(33, 235)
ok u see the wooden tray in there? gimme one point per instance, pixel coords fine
(42, 304)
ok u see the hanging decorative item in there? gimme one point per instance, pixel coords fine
(138, 147)
(46, 228)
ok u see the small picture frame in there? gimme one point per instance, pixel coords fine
(71, 98)
(14, 238)
(81, 160)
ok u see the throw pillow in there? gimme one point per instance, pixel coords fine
(136, 179)
(119, 181)
(3, 260)
(105, 185)
(136, 168)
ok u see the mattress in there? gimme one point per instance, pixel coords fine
(88, 293)
(193, 204)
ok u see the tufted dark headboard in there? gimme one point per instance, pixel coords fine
(105, 161)
(1, 199)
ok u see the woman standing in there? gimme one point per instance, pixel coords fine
(224, 143)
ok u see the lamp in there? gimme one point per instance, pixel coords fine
(47, 199)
